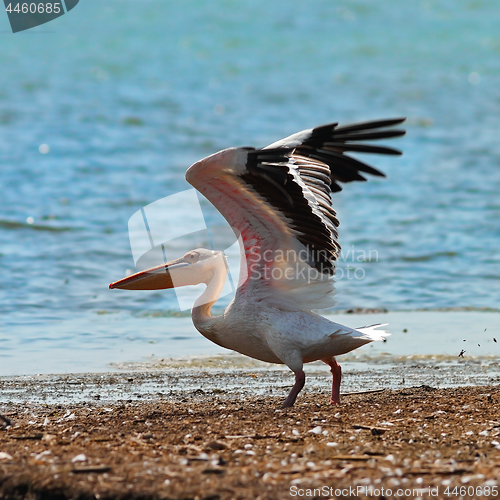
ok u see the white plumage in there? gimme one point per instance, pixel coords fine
(278, 202)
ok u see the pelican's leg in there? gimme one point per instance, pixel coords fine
(337, 377)
(300, 380)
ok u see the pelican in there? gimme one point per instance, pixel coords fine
(278, 202)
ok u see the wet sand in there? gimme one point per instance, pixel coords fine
(210, 432)
(237, 376)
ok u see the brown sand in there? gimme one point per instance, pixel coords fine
(213, 446)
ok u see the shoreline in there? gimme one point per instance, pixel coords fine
(101, 342)
(210, 427)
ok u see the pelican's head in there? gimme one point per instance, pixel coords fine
(195, 267)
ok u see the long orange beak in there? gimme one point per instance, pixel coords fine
(155, 278)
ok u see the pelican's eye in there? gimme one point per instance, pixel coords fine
(192, 257)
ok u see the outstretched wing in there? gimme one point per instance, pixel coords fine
(278, 201)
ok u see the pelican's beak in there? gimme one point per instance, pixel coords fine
(156, 278)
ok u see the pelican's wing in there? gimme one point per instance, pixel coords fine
(278, 201)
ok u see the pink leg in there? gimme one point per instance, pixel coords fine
(300, 380)
(337, 377)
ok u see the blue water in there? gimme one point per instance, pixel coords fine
(128, 94)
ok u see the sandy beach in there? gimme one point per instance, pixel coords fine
(213, 432)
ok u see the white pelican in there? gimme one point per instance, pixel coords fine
(278, 202)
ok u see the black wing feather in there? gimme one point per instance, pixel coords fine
(321, 164)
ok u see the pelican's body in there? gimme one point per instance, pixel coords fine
(267, 332)
(278, 202)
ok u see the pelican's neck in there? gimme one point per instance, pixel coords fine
(203, 320)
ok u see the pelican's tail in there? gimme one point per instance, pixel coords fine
(372, 333)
